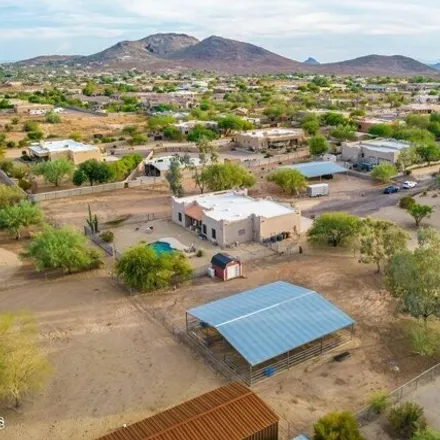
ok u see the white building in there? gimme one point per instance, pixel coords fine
(76, 152)
(231, 217)
(160, 165)
(373, 151)
(186, 126)
(269, 138)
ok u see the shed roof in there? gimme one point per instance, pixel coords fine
(317, 169)
(271, 320)
(222, 260)
(232, 412)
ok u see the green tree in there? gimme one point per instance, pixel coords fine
(159, 123)
(290, 180)
(343, 133)
(413, 276)
(379, 240)
(407, 157)
(334, 228)
(54, 171)
(207, 153)
(29, 126)
(333, 119)
(144, 269)
(16, 217)
(173, 133)
(62, 248)
(200, 132)
(274, 112)
(174, 177)
(89, 89)
(23, 369)
(9, 195)
(310, 126)
(92, 171)
(428, 151)
(53, 118)
(337, 426)
(318, 145)
(418, 121)
(381, 130)
(426, 434)
(384, 172)
(231, 123)
(220, 177)
(420, 212)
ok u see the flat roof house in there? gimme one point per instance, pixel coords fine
(159, 166)
(275, 138)
(374, 151)
(68, 149)
(231, 217)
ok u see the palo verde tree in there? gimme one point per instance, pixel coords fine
(62, 248)
(231, 123)
(413, 276)
(379, 240)
(9, 195)
(21, 215)
(174, 177)
(54, 171)
(93, 172)
(23, 369)
(220, 177)
(207, 154)
(384, 172)
(420, 212)
(290, 180)
(144, 269)
(334, 228)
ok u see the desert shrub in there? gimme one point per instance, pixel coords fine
(406, 202)
(25, 185)
(406, 419)
(200, 253)
(379, 401)
(107, 236)
(337, 425)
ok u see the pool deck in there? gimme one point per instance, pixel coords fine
(174, 243)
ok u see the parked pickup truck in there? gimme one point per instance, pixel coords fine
(391, 189)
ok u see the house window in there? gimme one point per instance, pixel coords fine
(204, 229)
(180, 217)
(213, 233)
(241, 231)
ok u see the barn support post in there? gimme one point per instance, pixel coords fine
(352, 331)
(288, 360)
(322, 339)
(250, 375)
(186, 321)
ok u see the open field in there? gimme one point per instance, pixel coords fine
(114, 363)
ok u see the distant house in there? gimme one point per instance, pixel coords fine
(422, 109)
(364, 124)
(183, 100)
(32, 109)
(159, 166)
(379, 88)
(231, 217)
(186, 126)
(373, 151)
(94, 103)
(232, 412)
(68, 149)
(276, 138)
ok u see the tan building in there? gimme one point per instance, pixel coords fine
(36, 109)
(231, 217)
(364, 124)
(76, 152)
(373, 151)
(275, 138)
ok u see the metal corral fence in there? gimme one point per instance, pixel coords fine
(367, 415)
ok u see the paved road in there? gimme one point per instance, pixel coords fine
(371, 202)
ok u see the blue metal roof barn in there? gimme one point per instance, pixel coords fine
(317, 169)
(263, 323)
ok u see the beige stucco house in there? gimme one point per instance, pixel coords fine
(231, 217)
(68, 149)
(274, 138)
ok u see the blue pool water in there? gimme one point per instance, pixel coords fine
(160, 247)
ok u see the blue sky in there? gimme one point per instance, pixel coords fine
(329, 30)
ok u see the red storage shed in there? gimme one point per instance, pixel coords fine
(226, 266)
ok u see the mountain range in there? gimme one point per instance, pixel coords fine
(163, 52)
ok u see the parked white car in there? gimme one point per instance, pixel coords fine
(409, 184)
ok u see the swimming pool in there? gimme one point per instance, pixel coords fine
(161, 247)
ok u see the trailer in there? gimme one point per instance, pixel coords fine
(317, 190)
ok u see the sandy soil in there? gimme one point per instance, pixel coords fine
(9, 264)
(111, 363)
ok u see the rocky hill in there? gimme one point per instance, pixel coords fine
(378, 65)
(161, 45)
(231, 56)
(48, 60)
(312, 62)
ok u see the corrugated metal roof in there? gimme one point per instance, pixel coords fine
(271, 320)
(232, 412)
(317, 169)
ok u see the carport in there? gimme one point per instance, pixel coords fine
(312, 170)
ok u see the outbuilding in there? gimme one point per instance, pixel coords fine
(226, 267)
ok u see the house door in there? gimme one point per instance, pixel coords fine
(233, 272)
